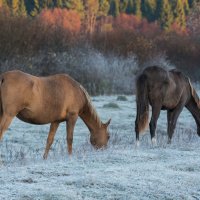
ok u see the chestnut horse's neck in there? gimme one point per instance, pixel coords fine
(89, 114)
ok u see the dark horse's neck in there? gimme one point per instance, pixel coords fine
(193, 107)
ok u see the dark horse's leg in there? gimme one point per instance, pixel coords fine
(52, 132)
(70, 130)
(172, 116)
(154, 118)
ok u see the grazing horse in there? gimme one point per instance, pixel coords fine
(52, 99)
(164, 90)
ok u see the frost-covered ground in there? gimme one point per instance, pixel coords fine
(119, 172)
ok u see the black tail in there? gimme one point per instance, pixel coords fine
(142, 100)
(1, 108)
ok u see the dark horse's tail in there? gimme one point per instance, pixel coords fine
(142, 100)
(1, 81)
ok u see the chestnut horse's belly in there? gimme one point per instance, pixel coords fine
(28, 116)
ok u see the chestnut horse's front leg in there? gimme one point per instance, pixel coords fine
(52, 132)
(70, 130)
(5, 121)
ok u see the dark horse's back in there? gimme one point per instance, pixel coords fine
(163, 86)
(164, 90)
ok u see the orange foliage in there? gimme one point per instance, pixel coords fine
(130, 23)
(127, 22)
(179, 30)
(64, 19)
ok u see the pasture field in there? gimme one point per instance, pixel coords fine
(119, 172)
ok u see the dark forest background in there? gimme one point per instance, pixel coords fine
(101, 43)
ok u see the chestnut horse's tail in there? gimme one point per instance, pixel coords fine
(142, 100)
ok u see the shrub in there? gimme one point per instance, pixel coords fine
(111, 105)
(122, 98)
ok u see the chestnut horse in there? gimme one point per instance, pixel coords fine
(52, 99)
(164, 90)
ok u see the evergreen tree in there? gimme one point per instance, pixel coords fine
(191, 3)
(76, 5)
(15, 7)
(179, 14)
(50, 4)
(149, 9)
(186, 7)
(123, 6)
(166, 15)
(59, 3)
(137, 8)
(43, 4)
(22, 8)
(103, 7)
(36, 8)
(130, 7)
(114, 8)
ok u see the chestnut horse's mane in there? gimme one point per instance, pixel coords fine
(90, 106)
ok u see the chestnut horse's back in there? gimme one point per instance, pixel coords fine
(15, 90)
(40, 100)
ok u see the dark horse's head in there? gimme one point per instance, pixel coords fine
(99, 138)
(198, 128)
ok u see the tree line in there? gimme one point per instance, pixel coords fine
(166, 12)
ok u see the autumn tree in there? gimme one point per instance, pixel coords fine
(36, 8)
(91, 12)
(137, 8)
(76, 5)
(4, 5)
(22, 8)
(179, 15)
(103, 8)
(165, 15)
(61, 19)
(15, 7)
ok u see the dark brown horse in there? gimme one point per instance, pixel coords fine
(164, 90)
(53, 99)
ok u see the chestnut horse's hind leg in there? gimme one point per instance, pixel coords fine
(70, 130)
(52, 132)
(153, 123)
(5, 121)
(172, 116)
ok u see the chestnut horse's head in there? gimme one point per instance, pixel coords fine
(99, 138)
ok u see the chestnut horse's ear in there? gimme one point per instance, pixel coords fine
(107, 123)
